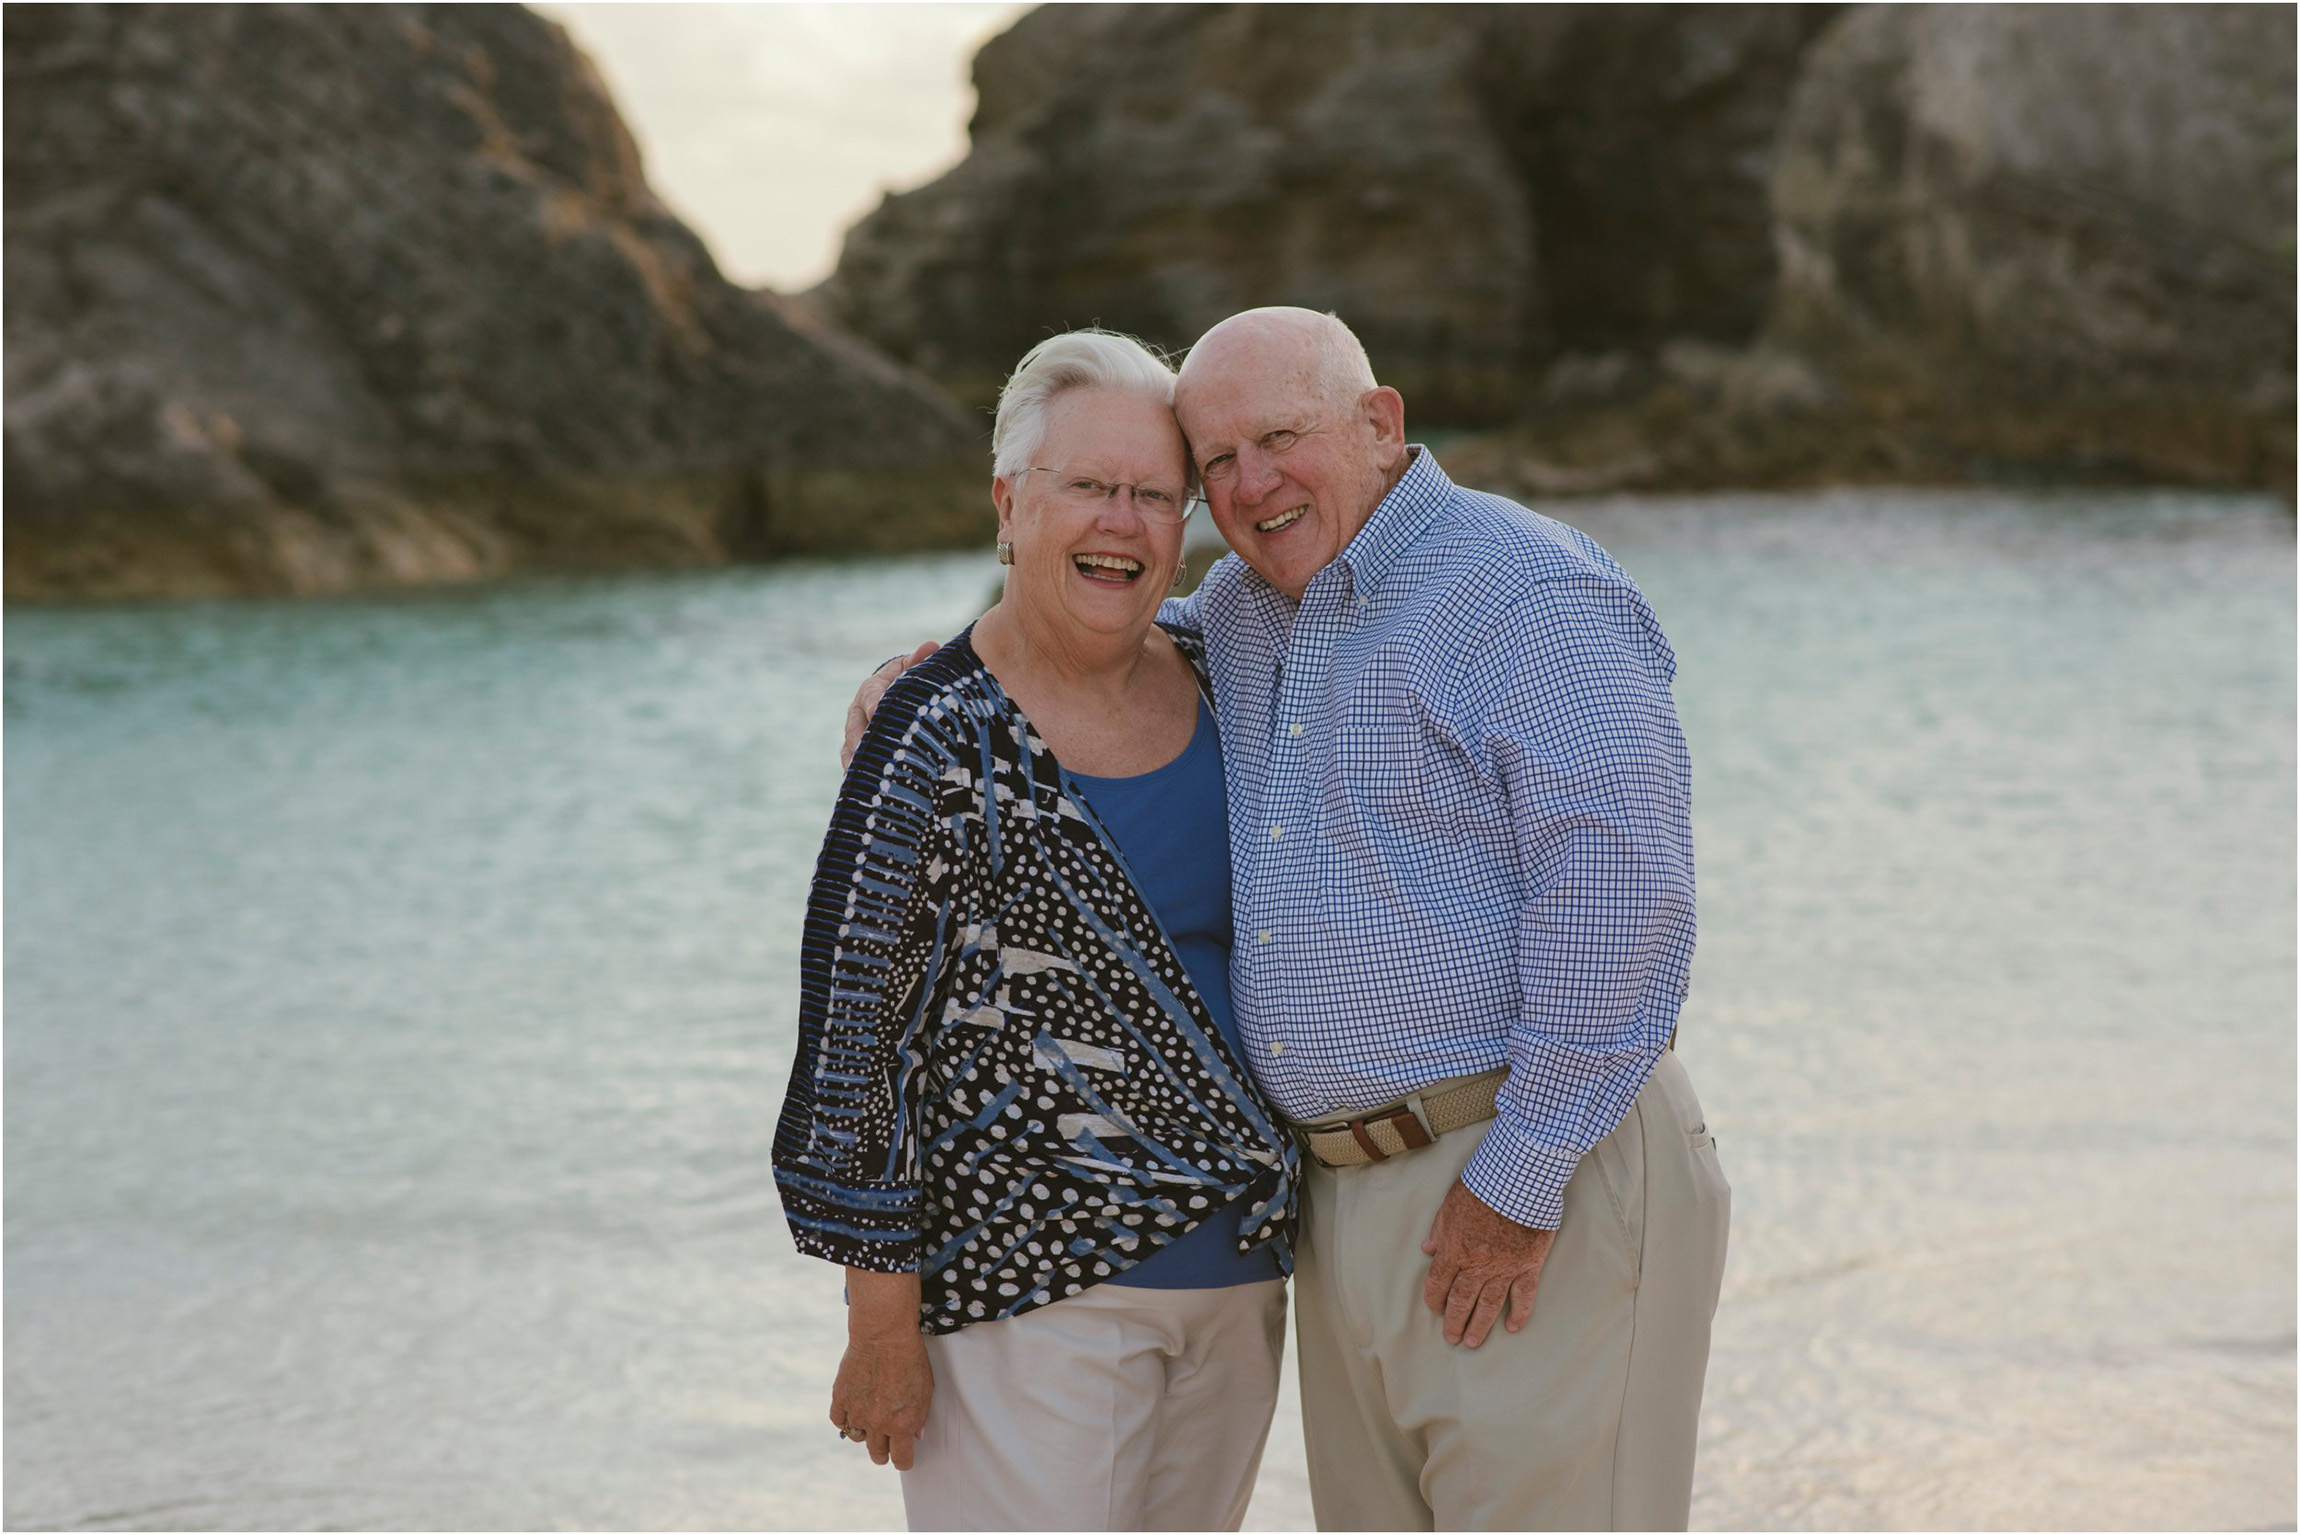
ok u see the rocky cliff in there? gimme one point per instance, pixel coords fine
(2051, 235)
(1677, 245)
(302, 298)
(1473, 187)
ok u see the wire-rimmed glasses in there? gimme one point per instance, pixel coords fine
(1156, 503)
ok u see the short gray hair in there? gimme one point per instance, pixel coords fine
(1078, 359)
(1344, 372)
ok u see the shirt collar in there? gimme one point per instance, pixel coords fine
(1395, 525)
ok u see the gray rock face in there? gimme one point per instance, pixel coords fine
(311, 297)
(1669, 246)
(2061, 235)
(1471, 187)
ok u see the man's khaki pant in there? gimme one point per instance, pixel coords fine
(1585, 1420)
(1117, 1409)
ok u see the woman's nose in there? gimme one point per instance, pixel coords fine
(1119, 510)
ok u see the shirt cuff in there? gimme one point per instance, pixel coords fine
(1516, 1177)
(875, 1227)
(878, 1257)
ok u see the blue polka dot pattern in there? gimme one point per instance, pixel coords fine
(1004, 1078)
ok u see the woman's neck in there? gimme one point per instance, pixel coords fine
(1020, 647)
(1109, 706)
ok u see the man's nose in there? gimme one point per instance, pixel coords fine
(1257, 474)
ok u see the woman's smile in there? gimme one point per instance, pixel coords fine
(1108, 569)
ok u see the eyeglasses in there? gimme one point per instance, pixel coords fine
(1156, 503)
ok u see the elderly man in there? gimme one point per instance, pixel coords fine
(1463, 892)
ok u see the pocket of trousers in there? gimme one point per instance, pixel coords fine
(1705, 1158)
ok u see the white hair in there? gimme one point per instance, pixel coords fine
(1345, 375)
(1078, 359)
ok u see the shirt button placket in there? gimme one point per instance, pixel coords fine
(1290, 858)
(1287, 789)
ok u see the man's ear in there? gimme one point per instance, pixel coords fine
(1384, 410)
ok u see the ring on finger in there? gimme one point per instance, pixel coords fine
(856, 1434)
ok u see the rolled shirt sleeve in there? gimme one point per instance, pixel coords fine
(1568, 702)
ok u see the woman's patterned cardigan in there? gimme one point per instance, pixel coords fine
(1004, 1078)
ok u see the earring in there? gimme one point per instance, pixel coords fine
(1181, 568)
(1005, 552)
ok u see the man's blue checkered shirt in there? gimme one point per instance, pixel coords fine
(1458, 826)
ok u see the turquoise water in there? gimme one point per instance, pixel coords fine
(400, 994)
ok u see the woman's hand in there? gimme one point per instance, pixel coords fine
(884, 1381)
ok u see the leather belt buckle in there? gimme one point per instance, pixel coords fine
(1410, 1122)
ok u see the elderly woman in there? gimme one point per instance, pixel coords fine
(1019, 1113)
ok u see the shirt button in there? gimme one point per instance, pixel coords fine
(1294, 729)
(1276, 832)
(1278, 1048)
(1262, 936)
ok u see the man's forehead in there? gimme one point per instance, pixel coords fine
(1244, 402)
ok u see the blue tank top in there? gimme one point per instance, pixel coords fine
(1172, 825)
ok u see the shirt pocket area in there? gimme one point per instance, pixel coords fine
(1404, 771)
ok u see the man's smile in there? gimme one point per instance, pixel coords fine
(1285, 519)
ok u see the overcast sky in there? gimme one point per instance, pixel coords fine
(771, 128)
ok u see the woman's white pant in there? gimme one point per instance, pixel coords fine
(1117, 1409)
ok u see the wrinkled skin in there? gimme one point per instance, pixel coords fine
(885, 1383)
(1483, 1266)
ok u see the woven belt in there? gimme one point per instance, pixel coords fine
(1409, 1124)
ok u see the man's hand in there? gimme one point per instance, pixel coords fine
(885, 1381)
(873, 689)
(1481, 1262)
